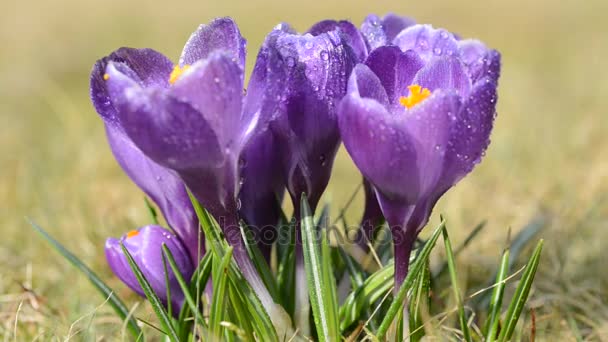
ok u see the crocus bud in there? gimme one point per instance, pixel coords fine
(145, 246)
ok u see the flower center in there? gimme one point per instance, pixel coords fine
(177, 73)
(417, 95)
(132, 234)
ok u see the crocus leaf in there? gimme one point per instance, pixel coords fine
(452, 268)
(419, 303)
(415, 269)
(260, 263)
(373, 288)
(521, 295)
(219, 301)
(491, 325)
(323, 302)
(157, 305)
(184, 286)
(119, 307)
(151, 210)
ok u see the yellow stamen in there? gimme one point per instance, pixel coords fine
(417, 95)
(132, 234)
(106, 77)
(177, 73)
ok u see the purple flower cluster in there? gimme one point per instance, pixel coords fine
(414, 106)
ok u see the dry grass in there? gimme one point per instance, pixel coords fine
(548, 156)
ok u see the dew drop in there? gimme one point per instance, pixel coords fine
(216, 80)
(323, 159)
(324, 55)
(437, 51)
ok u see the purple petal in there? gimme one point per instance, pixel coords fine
(395, 69)
(262, 188)
(315, 76)
(427, 41)
(214, 88)
(444, 73)
(470, 133)
(366, 84)
(399, 154)
(146, 249)
(373, 32)
(167, 130)
(221, 34)
(393, 24)
(351, 35)
(162, 186)
(146, 67)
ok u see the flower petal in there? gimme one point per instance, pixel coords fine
(393, 24)
(162, 186)
(366, 84)
(145, 66)
(220, 34)
(167, 130)
(395, 69)
(470, 133)
(427, 41)
(315, 76)
(145, 246)
(444, 73)
(214, 88)
(373, 32)
(399, 154)
(351, 35)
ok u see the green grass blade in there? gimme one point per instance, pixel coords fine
(119, 307)
(151, 210)
(260, 264)
(219, 302)
(324, 307)
(452, 269)
(157, 305)
(521, 294)
(474, 233)
(286, 270)
(415, 269)
(183, 285)
(373, 288)
(241, 313)
(491, 325)
(420, 301)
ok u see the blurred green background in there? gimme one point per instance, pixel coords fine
(548, 157)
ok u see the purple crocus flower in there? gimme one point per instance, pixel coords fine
(416, 120)
(314, 68)
(194, 119)
(145, 246)
(372, 217)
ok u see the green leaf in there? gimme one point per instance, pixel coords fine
(521, 294)
(183, 285)
(157, 305)
(415, 269)
(491, 326)
(478, 228)
(321, 285)
(419, 302)
(215, 239)
(286, 270)
(151, 210)
(452, 268)
(219, 302)
(373, 288)
(119, 307)
(260, 264)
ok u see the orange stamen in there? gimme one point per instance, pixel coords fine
(132, 234)
(417, 95)
(177, 73)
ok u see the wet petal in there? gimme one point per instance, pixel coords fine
(395, 69)
(214, 88)
(427, 41)
(444, 73)
(145, 66)
(220, 34)
(145, 246)
(373, 32)
(393, 24)
(167, 130)
(162, 186)
(350, 33)
(470, 133)
(366, 84)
